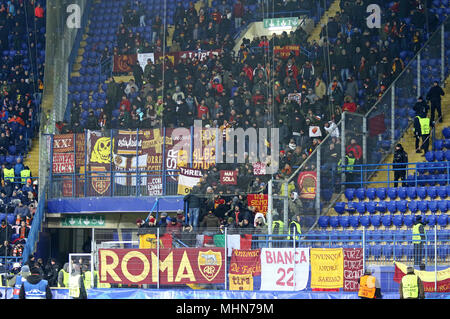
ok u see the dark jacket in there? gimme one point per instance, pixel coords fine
(435, 93)
(34, 279)
(210, 221)
(421, 108)
(400, 156)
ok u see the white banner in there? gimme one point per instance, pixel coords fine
(314, 131)
(143, 57)
(284, 269)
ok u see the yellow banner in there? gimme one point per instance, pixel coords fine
(327, 268)
(241, 282)
(426, 276)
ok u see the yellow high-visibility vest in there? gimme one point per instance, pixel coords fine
(424, 125)
(409, 286)
(416, 238)
(367, 286)
(25, 174)
(8, 174)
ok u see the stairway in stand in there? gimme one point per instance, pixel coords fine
(408, 140)
(32, 158)
(331, 12)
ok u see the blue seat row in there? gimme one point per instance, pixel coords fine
(411, 192)
(386, 220)
(401, 206)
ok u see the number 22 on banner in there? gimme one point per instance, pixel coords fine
(286, 277)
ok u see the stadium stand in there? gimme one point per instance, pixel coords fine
(22, 47)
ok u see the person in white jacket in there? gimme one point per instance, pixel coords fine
(332, 128)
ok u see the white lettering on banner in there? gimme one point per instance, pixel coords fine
(284, 269)
(131, 142)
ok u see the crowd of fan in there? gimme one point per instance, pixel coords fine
(349, 69)
(21, 86)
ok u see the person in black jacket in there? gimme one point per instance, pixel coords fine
(434, 96)
(194, 204)
(400, 158)
(421, 107)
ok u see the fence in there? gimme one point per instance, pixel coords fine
(184, 254)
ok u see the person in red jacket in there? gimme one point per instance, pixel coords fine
(39, 11)
(349, 105)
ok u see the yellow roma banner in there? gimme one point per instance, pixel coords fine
(241, 282)
(441, 277)
(327, 268)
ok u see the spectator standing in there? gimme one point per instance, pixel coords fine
(35, 287)
(434, 96)
(400, 159)
(422, 129)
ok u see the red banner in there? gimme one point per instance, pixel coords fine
(123, 63)
(63, 143)
(228, 177)
(245, 262)
(63, 163)
(178, 266)
(353, 268)
(307, 184)
(286, 50)
(259, 201)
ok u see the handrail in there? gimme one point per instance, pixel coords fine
(36, 226)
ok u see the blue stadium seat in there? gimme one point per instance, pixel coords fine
(431, 219)
(442, 251)
(412, 192)
(381, 193)
(375, 251)
(334, 221)
(442, 205)
(422, 206)
(11, 218)
(388, 251)
(439, 155)
(339, 207)
(324, 221)
(391, 206)
(401, 192)
(375, 220)
(354, 221)
(433, 206)
(351, 207)
(441, 191)
(398, 251)
(386, 220)
(365, 220)
(413, 206)
(350, 194)
(371, 207)
(432, 192)
(442, 220)
(398, 220)
(371, 193)
(402, 206)
(344, 221)
(360, 193)
(381, 207)
(422, 192)
(361, 207)
(392, 193)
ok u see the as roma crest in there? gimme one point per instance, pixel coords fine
(100, 180)
(209, 264)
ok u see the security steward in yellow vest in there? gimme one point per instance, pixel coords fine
(349, 163)
(369, 288)
(277, 227)
(422, 128)
(411, 286)
(25, 174)
(8, 174)
(295, 227)
(77, 289)
(63, 276)
(418, 240)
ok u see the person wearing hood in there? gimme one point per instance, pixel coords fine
(411, 286)
(18, 279)
(63, 276)
(294, 205)
(35, 287)
(77, 289)
(418, 239)
(399, 161)
(51, 272)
